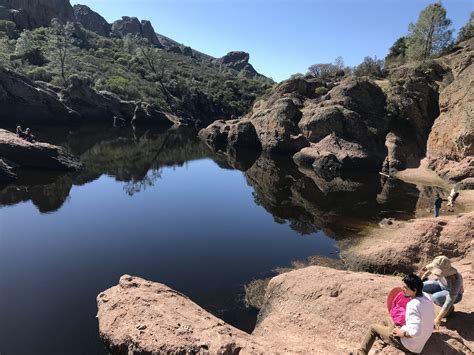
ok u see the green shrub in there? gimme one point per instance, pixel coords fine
(122, 61)
(320, 91)
(122, 87)
(41, 74)
(9, 28)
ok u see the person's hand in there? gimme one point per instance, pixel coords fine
(397, 332)
(437, 323)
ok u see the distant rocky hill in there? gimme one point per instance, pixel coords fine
(30, 14)
(109, 76)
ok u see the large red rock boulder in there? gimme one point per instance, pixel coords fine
(143, 317)
(410, 245)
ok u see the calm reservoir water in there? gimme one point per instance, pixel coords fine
(162, 206)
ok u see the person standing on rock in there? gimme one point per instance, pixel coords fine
(418, 327)
(447, 289)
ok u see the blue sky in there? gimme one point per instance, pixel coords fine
(283, 37)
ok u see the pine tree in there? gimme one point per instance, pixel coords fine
(468, 30)
(60, 44)
(397, 52)
(430, 34)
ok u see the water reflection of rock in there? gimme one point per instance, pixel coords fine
(337, 206)
(306, 200)
(136, 158)
(47, 191)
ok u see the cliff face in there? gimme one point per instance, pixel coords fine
(450, 149)
(91, 20)
(29, 14)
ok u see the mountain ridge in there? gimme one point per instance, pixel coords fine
(31, 14)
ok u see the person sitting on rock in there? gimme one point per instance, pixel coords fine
(418, 327)
(447, 289)
(19, 132)
(29, 137)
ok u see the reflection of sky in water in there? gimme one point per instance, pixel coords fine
(195, 228)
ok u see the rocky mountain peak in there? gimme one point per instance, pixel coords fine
(238, 60)
(147, 31)
(91, 20)
(131, 25)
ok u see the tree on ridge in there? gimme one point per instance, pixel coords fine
(430, 34)
(467, 31)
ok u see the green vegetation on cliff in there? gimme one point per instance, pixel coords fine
(131, 68)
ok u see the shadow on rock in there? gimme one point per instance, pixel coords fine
(463, 323)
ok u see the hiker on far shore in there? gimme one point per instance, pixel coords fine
(437, 205)
(418, 327)
(447, 289)
(29, 137)
(19, 132)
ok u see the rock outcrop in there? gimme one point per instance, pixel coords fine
(238, 61)
(135, 317)
(391, 251)
(91, 20)
(413, 95)
(333, 154)
(238, 140)
(35, 155)
(127, 25)
(22, 101)
(25, 102)
(150, 115)
(346, 127)
(450, 150)
(148, 32)
(131, 25)
(92, 105)
(29, 14)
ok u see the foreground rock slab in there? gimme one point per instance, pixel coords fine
(314, 310)
(35, 155)
(143, 317)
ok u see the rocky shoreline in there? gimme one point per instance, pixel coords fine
(16, 152)
(318, 310)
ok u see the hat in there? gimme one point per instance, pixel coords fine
(441, 266)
